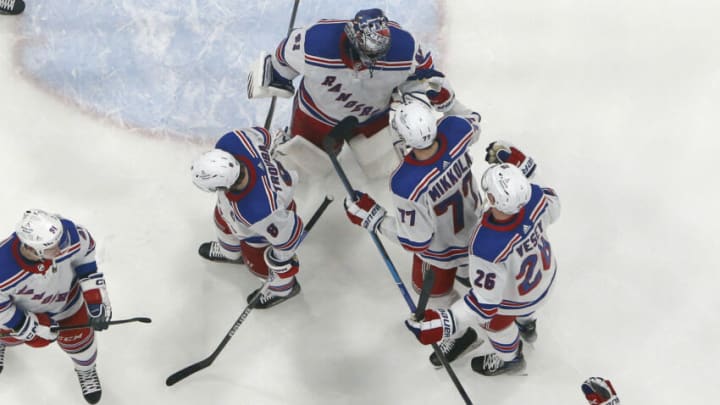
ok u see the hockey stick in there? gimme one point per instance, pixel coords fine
(206, 362)
(271, 111)
(341, 132)
(89, 325)
(428, 281)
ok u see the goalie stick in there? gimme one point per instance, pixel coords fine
(340, 133)
(206, 362)
(89, 325)
(271, 110)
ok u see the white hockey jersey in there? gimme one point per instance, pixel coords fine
(264, 211)
(50, 286)
(436, 199)
(512, 264)
(335, 86)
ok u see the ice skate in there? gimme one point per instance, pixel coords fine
(454, 348)
(90, 385)
(12, 6)
(491, 364)
(212, 252)
(270, 299)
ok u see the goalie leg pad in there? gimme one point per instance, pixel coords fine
(377, 154)
(302, 156)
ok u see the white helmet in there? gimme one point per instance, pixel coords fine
(39, 230)
(414, 121)
(506, 187)
(215, 170)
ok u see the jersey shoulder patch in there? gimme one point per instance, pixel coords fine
(408, 181)
(459, 133)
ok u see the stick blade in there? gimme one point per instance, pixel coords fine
(186, 372)
(339, 133)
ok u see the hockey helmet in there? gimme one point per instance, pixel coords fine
(506, 187)
(414, 121)
(41, 232)
(369, 34)
(215, 170)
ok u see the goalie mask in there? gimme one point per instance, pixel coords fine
(506, 187)
(215, 170)
(414, 121)
(42, 232)
(369, 34)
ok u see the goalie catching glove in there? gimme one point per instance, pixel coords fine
(505, 152)
(265, 81)
(436, 325)
(599, 391)
(364, 211)
(97, 300)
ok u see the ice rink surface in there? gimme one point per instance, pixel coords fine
(617, 102)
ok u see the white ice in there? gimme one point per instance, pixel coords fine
(616, 100)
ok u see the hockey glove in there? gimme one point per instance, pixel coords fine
(505, 152)
(35, 330)
(428, 81)
(599, 391)
(364, 211)
(281, 268)
(435, 326)
(97, 300)
(265, 81)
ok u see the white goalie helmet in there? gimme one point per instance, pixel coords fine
(215, 170)
(506, 187)
(40, 231)
(414, 121)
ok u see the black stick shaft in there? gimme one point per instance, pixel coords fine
(88, 325)
(428, 282)
(206, 362)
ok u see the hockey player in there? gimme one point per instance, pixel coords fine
(12, 6)
(347, 68)
(434, 194)
(48, 277)
(255, 213)
(511, 263)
